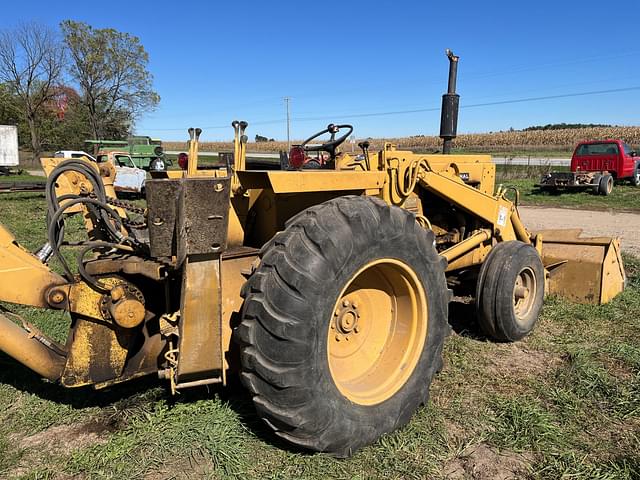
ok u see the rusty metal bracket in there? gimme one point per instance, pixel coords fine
(188, 221)
(188, 216)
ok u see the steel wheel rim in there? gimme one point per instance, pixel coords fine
(524, 293)
(377, 331)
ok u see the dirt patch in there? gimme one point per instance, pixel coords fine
(456, 433)
(483, 462)
(594, 223)
(516, 360)
(66, 438)
(191, 467)
(59, 440)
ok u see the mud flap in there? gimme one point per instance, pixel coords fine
(582, 269)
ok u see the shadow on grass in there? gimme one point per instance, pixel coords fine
(236, 397)
(462, 318)
(131, 392)
(134, 392)
(24, 380)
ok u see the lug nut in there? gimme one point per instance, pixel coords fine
(345, 303)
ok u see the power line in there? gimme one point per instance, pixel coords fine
(506, 70)
(427, 109)
(552, 97)
(486, 104)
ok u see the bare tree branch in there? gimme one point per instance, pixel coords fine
(31, 63)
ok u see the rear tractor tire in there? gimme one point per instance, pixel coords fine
(510, 291)
(605, 186)
(343, 324)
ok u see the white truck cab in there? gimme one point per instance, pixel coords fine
(129, 178)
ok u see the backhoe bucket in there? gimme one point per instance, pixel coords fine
(583, 270)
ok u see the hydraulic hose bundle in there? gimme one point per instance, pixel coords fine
(108, 221)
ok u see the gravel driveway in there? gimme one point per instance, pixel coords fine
(594, 223)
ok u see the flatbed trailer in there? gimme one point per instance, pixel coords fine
(572, 181)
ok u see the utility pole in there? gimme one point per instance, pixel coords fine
(286, 101)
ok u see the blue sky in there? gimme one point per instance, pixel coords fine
(214, 62)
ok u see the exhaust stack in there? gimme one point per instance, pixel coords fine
(450, 105)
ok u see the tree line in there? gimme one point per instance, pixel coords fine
(565, 126)
(62, 86)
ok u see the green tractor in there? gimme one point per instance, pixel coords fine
(142, 149)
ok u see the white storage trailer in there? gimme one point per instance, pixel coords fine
(8, 146)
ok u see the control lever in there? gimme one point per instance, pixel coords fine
(365, 151)
(236, 141)
(192, 166)
(241, 163)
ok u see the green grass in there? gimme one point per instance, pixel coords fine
(624, 197)
(23, 177)
(563, 403)
(202, 160)
(523, 424)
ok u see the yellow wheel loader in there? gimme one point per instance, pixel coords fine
(323, 285)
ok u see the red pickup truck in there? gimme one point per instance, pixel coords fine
(595, 165)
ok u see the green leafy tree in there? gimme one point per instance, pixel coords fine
(9, 106)
(65, 128)
(31, 65)
(111, 70)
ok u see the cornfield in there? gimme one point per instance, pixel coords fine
(520, 141)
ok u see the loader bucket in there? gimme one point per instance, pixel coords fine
(582, 269)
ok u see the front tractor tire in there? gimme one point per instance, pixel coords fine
(510, 291)
(343, 324)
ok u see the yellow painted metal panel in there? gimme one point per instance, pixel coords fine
(312, 181)
(200, 348)
(24, 278)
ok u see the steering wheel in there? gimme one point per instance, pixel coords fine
(333, 142)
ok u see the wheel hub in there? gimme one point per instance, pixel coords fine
(520, 291)
(524, 293)
(377, 331)
(346, 319)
